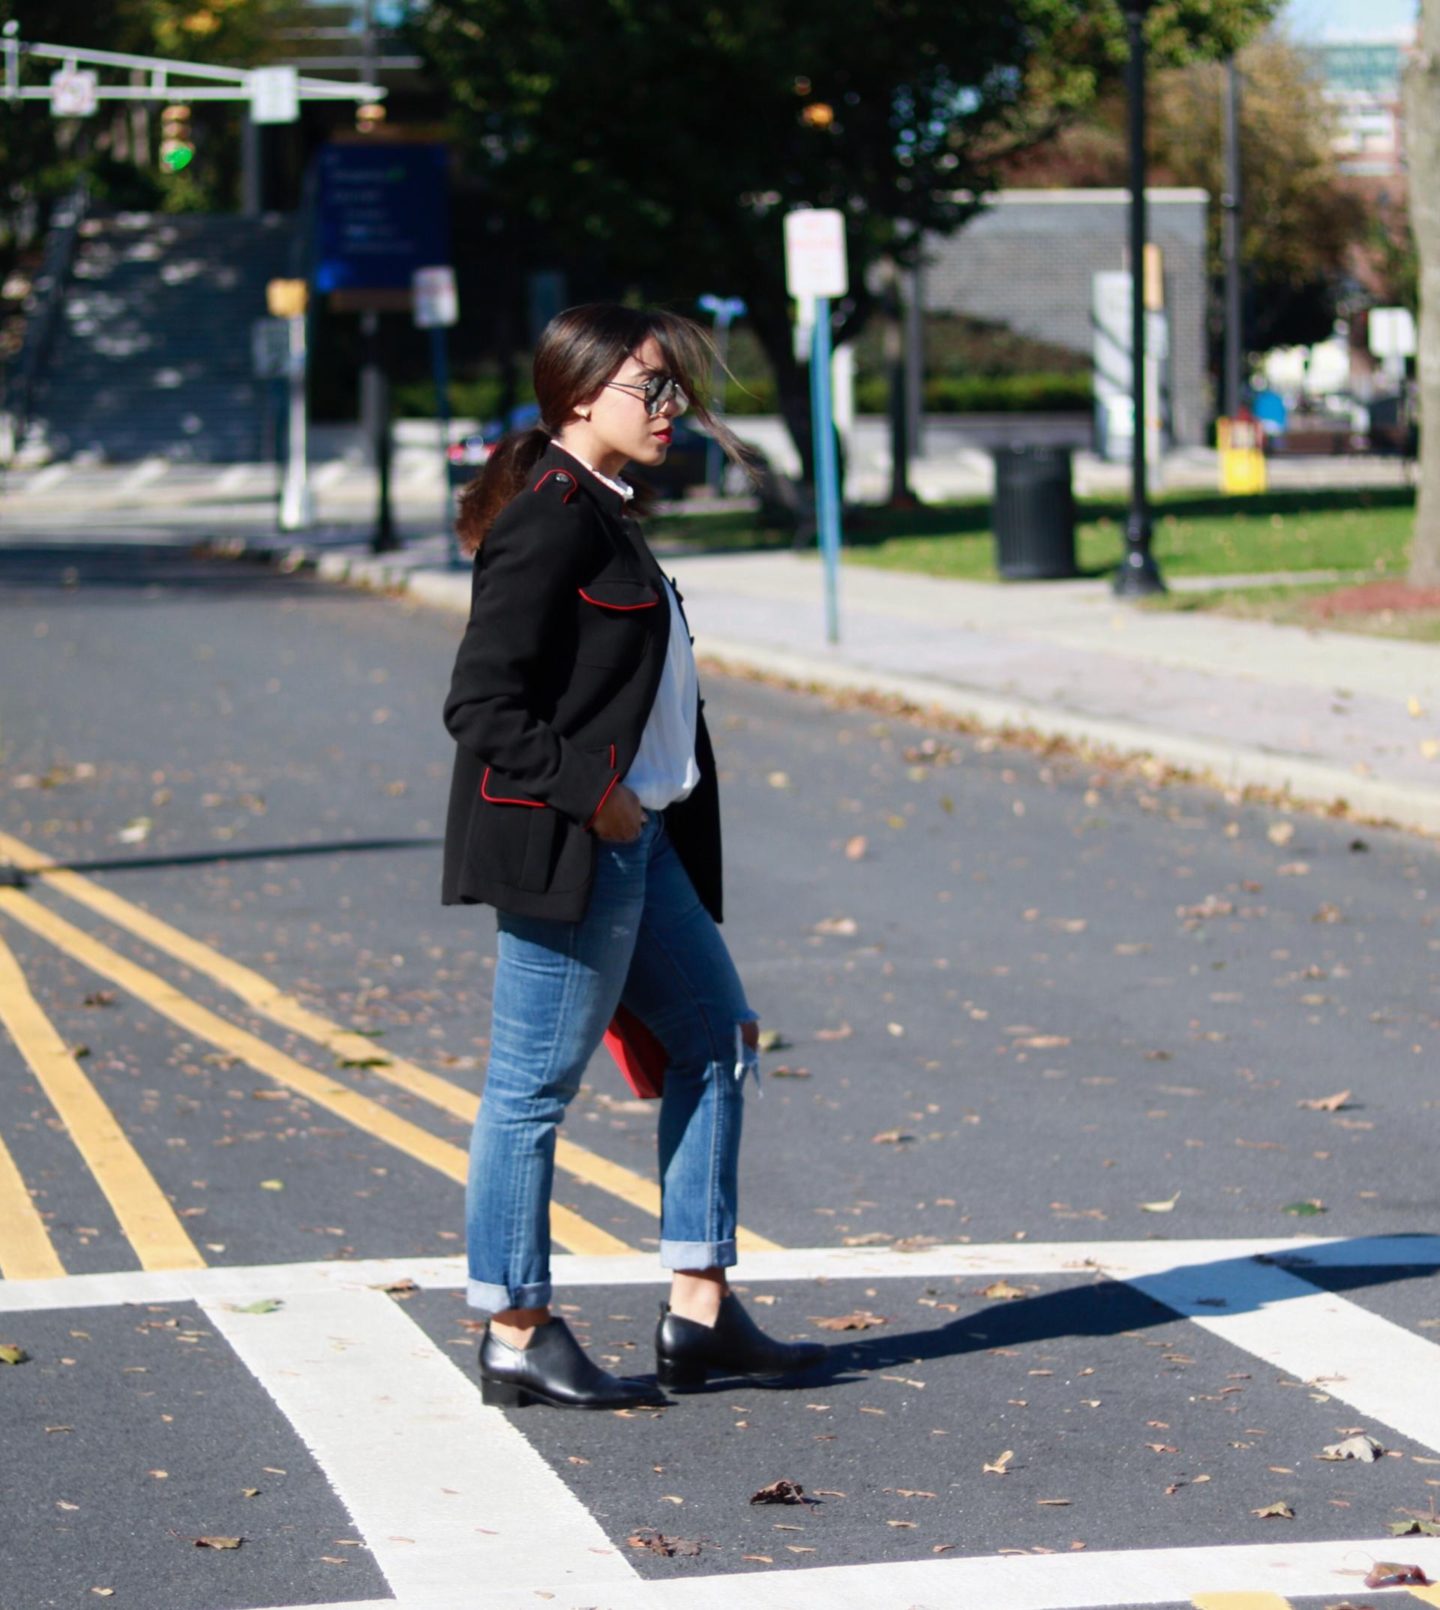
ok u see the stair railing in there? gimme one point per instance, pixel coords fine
(42, 313)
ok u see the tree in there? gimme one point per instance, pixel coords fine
(1422, 145)
(675, 137)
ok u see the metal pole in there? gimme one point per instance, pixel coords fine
(252, 183)
(1230, 202)
(440, 367)
(295, 512)
(915, 359)
(1138, 573)
(385, 539)
(827, 488)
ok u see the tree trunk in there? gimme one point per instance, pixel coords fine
(1422, 142)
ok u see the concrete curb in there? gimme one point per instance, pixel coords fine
(1307, 783)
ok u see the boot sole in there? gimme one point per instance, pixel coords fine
(511, 1395)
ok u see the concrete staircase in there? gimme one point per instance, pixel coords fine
(152, 356)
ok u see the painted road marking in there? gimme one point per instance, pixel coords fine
(1377, 1367)
(341, 1360)
(265, 998)
(26, 1252)
(567, 1227)
(1015, 1582)
(149, 1222)
(447, 1494)
(1239, 1601)
(1119, 1260)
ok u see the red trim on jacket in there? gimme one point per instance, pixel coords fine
(606, 795)
(601, 604)
(500, 799)
(565, 477)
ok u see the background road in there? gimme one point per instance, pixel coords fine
(1056, 1017)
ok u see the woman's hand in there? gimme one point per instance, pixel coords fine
(621, 818)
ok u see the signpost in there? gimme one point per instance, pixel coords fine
(74, 93)
(725, 310)
(274, 95)
(437, 308)
(288, 299)
(815, 273)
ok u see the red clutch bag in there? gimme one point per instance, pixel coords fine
(637, 1053)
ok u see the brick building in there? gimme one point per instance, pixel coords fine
(1028, 261)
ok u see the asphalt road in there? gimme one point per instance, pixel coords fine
(1070, 1069)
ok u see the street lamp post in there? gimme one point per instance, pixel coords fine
(1138, 574)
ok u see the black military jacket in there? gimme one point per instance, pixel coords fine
(552, 687)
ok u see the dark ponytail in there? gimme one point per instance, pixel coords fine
(504, 476)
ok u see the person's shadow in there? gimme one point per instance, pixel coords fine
(1107, 1305)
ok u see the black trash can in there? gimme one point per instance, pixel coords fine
(1034, 513)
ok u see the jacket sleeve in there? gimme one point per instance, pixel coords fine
(521, 613)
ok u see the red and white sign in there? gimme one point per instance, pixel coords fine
(815, 253)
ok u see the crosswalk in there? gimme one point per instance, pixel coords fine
(395, 1422)
(156, 1236)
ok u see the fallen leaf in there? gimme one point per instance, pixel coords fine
(400, 1289)
(1165, 1206)
(778, 779)
(1414, 708)
(249, 1492)
(895, 1029)
(1052, 1503)
(362, 1062)
(100, 997)
(838, 927)
(1420, 1525)
(891, 1137)
(1334, 1103)
(997, 1467)
(785, 1071)
(1003, 1291)
(1304, 1210)
(1328, 913)
(1360, 1447)
(855, 848)
(1276, 1511)
(11, 1354)
(658, 1543)
(941, 1548)
(1280, 832)
(773, 1040)
(272, 1185)
(780, 1492)
(842, 1033)
(858, 1319)
(135, 831)
(762, 1559)
(103, 1593)
(218, 1542)
(908, 1526)
(1386, 1574)
(262, 1305)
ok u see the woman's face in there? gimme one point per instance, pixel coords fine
(620, 429)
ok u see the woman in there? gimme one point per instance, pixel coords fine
(584, 808)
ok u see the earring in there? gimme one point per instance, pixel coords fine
(583, 412)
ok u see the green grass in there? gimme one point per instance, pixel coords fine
(1195, 535)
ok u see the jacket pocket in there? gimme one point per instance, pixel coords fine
(615, 620)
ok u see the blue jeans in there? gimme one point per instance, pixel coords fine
(645, 940)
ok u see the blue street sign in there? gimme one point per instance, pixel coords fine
(382, 212)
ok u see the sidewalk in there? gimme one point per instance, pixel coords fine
(1323, 716)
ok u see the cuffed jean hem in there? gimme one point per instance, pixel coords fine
(496, 1299)
(697, 1254)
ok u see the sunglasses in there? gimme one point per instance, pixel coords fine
(657, 391)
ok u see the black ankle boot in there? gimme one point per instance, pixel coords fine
(555, 1370)
(687, 1352)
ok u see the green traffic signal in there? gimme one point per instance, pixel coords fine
(178, 157)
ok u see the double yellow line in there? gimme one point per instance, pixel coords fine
(18, 1233)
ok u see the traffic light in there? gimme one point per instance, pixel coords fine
(177, 148)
